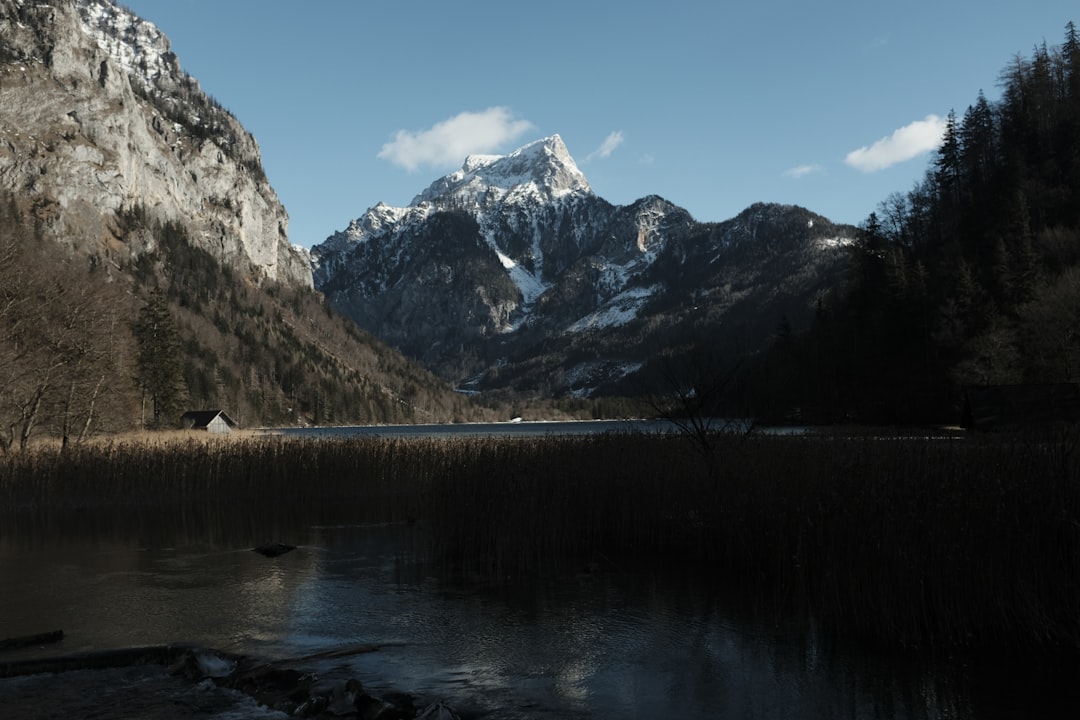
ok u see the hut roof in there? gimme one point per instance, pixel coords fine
(203, 418)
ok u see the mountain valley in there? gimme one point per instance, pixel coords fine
(146, 268)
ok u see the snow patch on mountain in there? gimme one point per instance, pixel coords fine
(831, 243)
(135, 44)
(530, 285)
(618, 311)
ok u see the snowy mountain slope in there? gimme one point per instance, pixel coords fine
(511, 272)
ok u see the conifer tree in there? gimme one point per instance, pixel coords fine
(1000, 271)
(947, 163)
(1023, 262)
(977, 144)
(159, 362)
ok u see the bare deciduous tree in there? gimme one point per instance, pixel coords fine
(696, 385)
(60, 326)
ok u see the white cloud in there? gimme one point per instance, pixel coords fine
(611, 142)
(906, 143)
(801, 171)
(449, 142)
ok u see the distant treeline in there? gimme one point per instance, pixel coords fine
(971, 277)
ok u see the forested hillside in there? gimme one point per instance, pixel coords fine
(971, 277)
(90, 345)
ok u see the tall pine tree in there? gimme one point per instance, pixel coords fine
(159, 363)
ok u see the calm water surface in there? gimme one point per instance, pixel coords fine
(486, 429)
(607, 641)
(521, 429)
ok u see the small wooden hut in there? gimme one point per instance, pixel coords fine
(212, 421)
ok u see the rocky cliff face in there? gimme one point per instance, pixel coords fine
(512, 273)
(97, 119)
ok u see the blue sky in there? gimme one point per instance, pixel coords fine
(827, 105)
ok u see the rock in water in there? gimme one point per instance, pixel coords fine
(199, 664)
(273, 549)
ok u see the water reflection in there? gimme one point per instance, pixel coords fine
(613, 641)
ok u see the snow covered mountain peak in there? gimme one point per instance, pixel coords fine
(543, 168)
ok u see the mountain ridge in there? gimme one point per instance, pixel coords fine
(530, 256)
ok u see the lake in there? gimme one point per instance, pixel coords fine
(488, 429)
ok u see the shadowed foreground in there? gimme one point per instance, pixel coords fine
(917, 543)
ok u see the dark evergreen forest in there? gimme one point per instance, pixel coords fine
(970, 278)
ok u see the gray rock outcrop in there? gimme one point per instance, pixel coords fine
(97, 119)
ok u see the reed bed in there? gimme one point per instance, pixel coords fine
(194, 490)
(919, 543)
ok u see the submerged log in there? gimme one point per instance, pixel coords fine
(17, 643)
(96, 660)
(252, 666)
